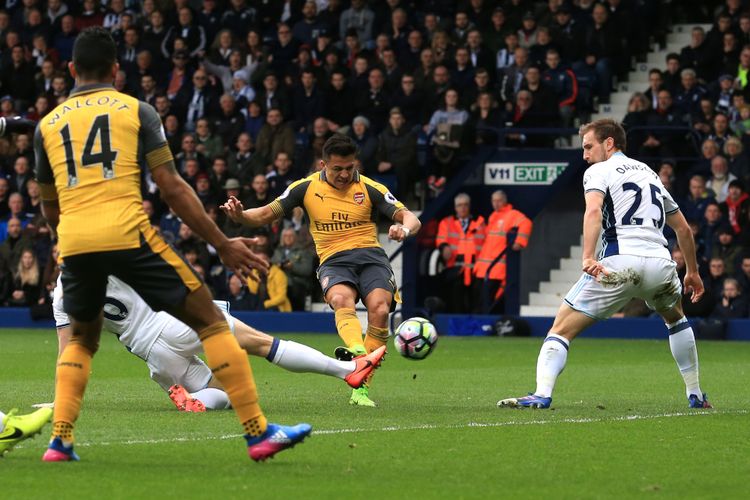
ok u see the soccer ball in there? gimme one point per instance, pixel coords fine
(415, 338)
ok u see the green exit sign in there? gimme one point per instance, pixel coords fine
(542, 174)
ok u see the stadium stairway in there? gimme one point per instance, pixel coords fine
(638, 79)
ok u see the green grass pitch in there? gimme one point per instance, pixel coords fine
(620, 428)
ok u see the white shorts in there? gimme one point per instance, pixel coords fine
(653, 279)
(173, 359)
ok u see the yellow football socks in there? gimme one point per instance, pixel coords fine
(375, 337)
(229, 363)
(72, 375)
(349, 328)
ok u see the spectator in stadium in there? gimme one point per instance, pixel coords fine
(239, 17)
(655, 84)
(154, 32)
(720, 130)
(373, 102)
(244, 163)
(239, 298)
(208, 144)
(736, 208)
(603, 45)
(275, 136)
(221, 48)
(397, 154)
(462, 74)
(733, 303)
(563, 82)
(193, 34)
(338, 92)
(4, 194)
(503, 221)
(196, 101)
(204, 191)
(17, 78)
(538, 51)
(484, 118)
(743, 273)
(729, 56)
(506, 55)
(709, 229)
(359, 18)
(281, 174)
(63, 40)
(524, 114)
(698, 198)
(297, 264)
(459, 240)
(714, 280)
(25, 290)
(229, 122)
(726, 248)
(408, 58)
(33, 198)
(720, 178)
(273, 96)
(188, 151)
(737, 160)
(687, 99)
(308, 102)
(321, 132)
(510, 78)
(698, 55)
(568, 34)
(703, 120)
(659, 142)
(528, 30)
(14, 241)
(258, 195)
(271, 293)
(282, 51)
(637, 116)
(366, 142)
(442, 48)
(495, 34)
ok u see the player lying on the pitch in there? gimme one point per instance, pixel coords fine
(170, 348)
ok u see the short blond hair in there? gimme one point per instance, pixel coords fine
(604, 128)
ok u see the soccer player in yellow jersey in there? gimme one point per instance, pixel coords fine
(342, 206)
(89, 152)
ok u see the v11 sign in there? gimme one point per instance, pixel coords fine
(541, 174)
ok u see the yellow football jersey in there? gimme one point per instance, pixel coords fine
(89, 152)
(339, 219)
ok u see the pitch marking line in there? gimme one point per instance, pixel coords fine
(326, 432)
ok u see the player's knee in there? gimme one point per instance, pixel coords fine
(379, 309)
(341, 300)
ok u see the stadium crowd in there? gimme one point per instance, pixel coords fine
(249, 91)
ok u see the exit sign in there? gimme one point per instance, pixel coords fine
(542, 174)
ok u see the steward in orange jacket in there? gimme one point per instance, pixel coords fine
(503, 219)
(459, 239)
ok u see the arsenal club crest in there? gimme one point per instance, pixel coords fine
(359, 198)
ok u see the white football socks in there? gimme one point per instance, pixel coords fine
(212, 398)
(301, 358)
(551, 362)
(684, 352)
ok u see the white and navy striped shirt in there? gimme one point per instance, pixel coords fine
(636, 204)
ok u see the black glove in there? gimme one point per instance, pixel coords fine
(16, 125)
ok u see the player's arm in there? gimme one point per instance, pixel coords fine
(676, 220)
(46, 179)
(253, 217)
(407, 224)
(294, 196)
(592, 223)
